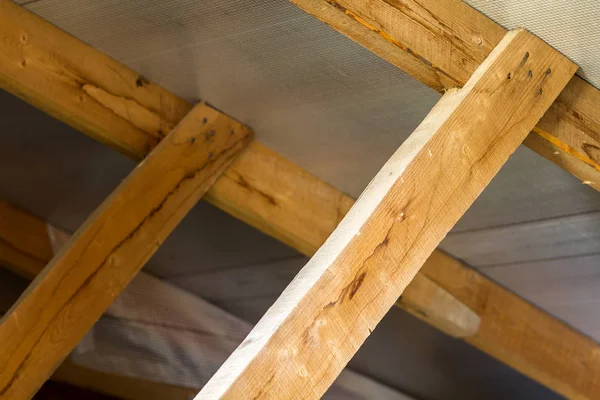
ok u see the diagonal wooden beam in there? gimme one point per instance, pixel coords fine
(261, 187)
(441, 43)
(306, 338)
(82, 280)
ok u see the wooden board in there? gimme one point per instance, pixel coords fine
(539, 240)
(306, 338)
(83, 279)
(441, 43)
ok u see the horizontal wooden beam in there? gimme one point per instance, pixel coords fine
(322, 318)
(441, 43)
(83, 279)
(261, 187)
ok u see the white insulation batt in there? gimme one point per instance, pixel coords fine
(158, 332)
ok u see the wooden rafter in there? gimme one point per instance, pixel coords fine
(441, 43)
(306, 338)
(83, 279)
(267, 191)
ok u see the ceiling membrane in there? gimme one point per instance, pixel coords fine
(572, 27)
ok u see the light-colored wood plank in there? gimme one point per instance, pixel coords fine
(521, 335)
(532, 241)
(441, 43)
(306, 338)
(83, 279)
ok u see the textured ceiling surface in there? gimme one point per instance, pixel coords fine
(572, 27)
(332, 107)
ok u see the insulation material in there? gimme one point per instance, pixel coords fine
(158, 332)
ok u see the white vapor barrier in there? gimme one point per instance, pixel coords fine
(159, 332)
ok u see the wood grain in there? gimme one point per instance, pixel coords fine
(306, 338)
(441, 43)
(83, 279)
(115, 105)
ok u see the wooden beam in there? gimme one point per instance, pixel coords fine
(306, 338)
(441, 43)
(261, 187)
(82, 280)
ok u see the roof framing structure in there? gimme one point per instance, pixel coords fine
(120, 108)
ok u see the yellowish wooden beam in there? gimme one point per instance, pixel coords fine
(441, 43)
(83, 279)
(321, 319)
